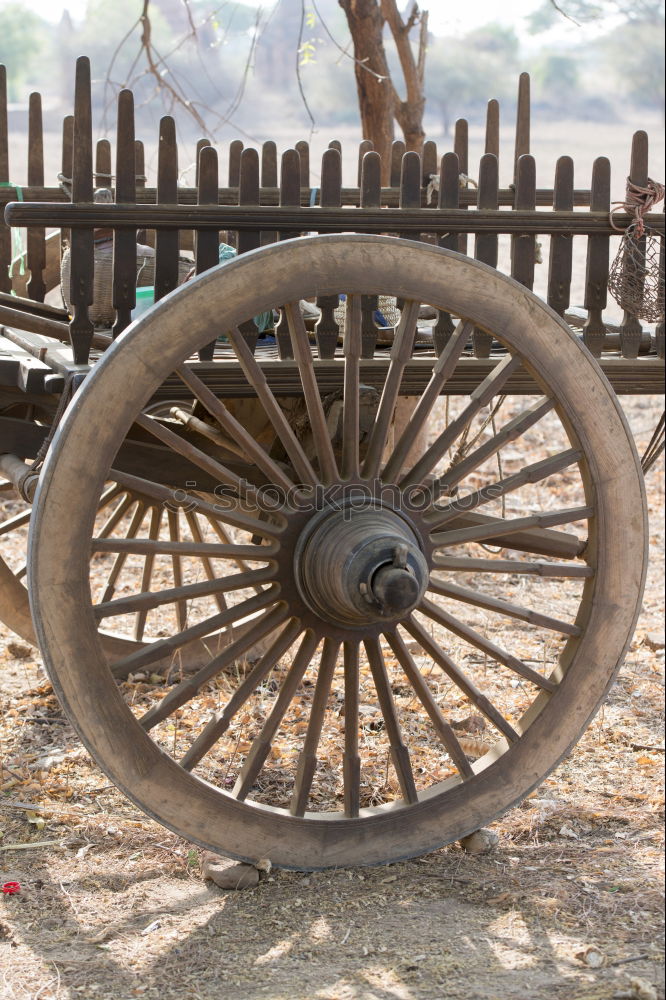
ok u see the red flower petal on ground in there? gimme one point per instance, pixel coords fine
(11, 888)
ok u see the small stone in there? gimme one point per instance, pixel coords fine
(228, 874)
(592, 957)
(640, 990)
(18, 650)
(653, 640)
(480, 842)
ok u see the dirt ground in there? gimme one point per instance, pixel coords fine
(568, 906)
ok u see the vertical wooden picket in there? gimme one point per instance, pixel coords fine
(596, 273)
(36, 246)
(166, 240)
(82, 246)
(561, 244)
(124, 240)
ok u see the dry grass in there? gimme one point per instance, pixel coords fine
(113, 906)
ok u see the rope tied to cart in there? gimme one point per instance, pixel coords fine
(638, 201)
(635, 281)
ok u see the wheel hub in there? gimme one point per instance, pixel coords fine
(361, 566)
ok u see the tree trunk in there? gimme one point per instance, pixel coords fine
(373, 81)
(379, 101)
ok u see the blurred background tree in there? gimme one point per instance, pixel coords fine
(238, 68)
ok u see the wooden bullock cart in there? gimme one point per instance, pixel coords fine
(377, 623)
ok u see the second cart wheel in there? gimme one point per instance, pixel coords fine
(414, 682)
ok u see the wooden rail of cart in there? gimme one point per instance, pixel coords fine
(286, 510)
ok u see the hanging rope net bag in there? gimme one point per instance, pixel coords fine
(636, 277)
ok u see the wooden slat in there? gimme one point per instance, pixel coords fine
(397, 153)
(336, 144)
(630, 327)
(5, 233)
(331, 187)
(140, 165)
(322, 219)
(103, 175)
(201, 144)
(269, 179)
(82, 248)
(523, 247)
(235, 151)
(522, 143)
(66, 168)
(290, 194)
(461, 149)
(303, 150)
(560, 261)
(207, 243)
(36, 248)
(166, 243)
(364, 146)
(448, 197)
(371, 193)
(429, 161)
(248, 194)
(124, 240)
(492, 144)
(596, 274)
(485, 246)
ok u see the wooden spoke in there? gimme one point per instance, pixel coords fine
(219, 724)
(261, 745)
(142, 546)
(351, 759)
(534, 473)
(176, 567)
(209, 570)
(109, 496)
(164, 647)
(225, 538)
(257, 380)
(479, 600)
(547, 570)
(234, 429)
(452, 670)
(157, 492)
(442, 371)
(303, 355)
(479, 641)
(116, 517)
(510, 432)
(536, 541)
(146, 576)
(199, 458)
(17, 521)
(119, 561)
(401, 352)
(307, 761)
(508, 526)
(188, 688)
(425, 696)
(479, 398)
(399, 752)
(147, 601)
(352, 348)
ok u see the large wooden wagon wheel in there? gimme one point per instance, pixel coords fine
(123, 512)
(392, 627)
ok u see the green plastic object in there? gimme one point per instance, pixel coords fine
(145, 298)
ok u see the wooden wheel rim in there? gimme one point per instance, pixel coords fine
(80, 454)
